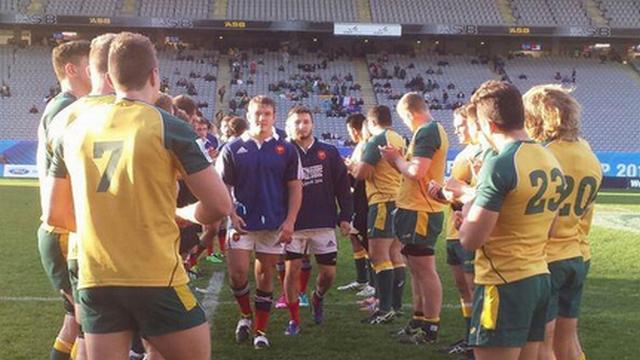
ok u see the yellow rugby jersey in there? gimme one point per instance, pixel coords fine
(429, 141)
(383, 185)
(123, 162)
(57, 129)
(463, 170)
(583, 176)
(522, 183)
(583, 233)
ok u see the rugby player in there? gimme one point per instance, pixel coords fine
(325, 182)
(509, 223)
(70, 61)
(382, 184)
(552, 117)
(130, 149)
(263, 174)
(419, 218)
(359, 242)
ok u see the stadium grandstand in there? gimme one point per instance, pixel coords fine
(332, 61)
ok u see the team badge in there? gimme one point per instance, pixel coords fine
(322, 154)
(280, 149)
(235, 236)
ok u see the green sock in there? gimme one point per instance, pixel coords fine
(385, 289)
(361, 270)
(60, 350)
(398, 287)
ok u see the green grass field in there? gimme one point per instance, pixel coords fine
(30, 315)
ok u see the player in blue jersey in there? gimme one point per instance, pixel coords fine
(263, 174)
(324, 183)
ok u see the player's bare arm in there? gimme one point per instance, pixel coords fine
(477, 226)
(214, 203)
(294, 188)
(59, 204)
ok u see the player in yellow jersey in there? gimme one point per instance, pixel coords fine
(382, 182)
(101, 93)
(464, 172)
(115, 178)
(508, 225)
(418, 220)
(553, 118)
(70, 64)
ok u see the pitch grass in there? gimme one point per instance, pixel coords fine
(608, 325)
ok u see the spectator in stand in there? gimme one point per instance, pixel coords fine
(33, 110)
(221, 91)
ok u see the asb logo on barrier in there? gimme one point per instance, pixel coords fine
(20, 171)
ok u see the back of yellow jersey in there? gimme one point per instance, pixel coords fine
(57, 129)
(123, 163)
(429, 141)
(384, 184)
(584, 227)
(523, 183)
(583, 176)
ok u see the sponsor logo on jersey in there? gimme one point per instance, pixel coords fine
(322, 155)
(280, 149)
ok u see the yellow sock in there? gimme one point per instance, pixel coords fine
(432, 320)
(62, 346)
(582, 357)
(74, 350)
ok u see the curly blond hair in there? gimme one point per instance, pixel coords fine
(551, 113)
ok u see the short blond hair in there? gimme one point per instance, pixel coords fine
(132, 58)
(551, 113)
(99, 53)
(412, 102)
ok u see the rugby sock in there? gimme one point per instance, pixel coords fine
(222, 236)
(582, 356)
(372, 278)
(305, 274)
(136, 344)
(384, 277)
(317, 297)
(360, 260)
(61, 350)
(417, 320)
(398, 286)
(210, 248)
(431, 326)
(280, 268)
(294, 311)
(263, 307)
(242, 298)
(74, 350)
(466, 314)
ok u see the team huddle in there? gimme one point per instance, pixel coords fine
(113, 158)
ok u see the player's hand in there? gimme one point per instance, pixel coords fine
(390, 153)
(455, 186)
(238, 223)
(433, 189)
(345, 228)
(213, 153)
(457, 219)
(286, 232)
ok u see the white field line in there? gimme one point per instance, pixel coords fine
(210, 301)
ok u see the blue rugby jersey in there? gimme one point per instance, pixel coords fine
(324, 181)
(259, 176)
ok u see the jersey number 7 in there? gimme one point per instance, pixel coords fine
(99, 148)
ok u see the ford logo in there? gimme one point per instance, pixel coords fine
(18, 171)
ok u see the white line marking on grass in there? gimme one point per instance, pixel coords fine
(28, 298)
(210, 301)
(618, 221)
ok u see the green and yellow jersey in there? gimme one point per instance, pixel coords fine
(583, 176)
(429, 141)
(44, 152)
(56, 133)
(383, 185)
(123, 161)
(523, 183)
(463, 170)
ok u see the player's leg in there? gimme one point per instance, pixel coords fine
(493, 353)
(239, 248)
(531, 351)
(53, 250)
(150, 351)
(457, 263)
(264, 272)
(360, 261)
(110, 346)
(399, 275)
(381, 239)
(293, 261)
(545, 351)
(569, 300)
(422, 266)
(193, 343)
(324, 245)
